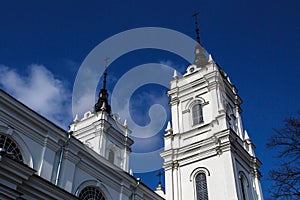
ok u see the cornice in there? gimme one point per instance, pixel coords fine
(68, 155)
(51, 144)
(25, 121)
(215, 145)
(22, 129)
(20, 171)
(174, 101)
(25, 112)
(197, 130)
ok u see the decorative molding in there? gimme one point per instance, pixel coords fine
(197, 171)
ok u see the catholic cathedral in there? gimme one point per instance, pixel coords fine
(207, 153)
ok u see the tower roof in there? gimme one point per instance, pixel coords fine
(200, 52)
(102, 103)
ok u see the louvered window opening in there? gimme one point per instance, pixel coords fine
(91, 193)
(197, 114)
(201, 187)
(111, 156)
(11, 148)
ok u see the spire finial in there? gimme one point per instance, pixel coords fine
(106, 62)
(102, 104)
(105, 72)
(195, 15)
(159, 178)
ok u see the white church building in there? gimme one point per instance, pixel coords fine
(207, 153)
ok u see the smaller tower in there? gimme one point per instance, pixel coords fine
(103, 132)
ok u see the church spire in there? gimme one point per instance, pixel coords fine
(159, 178)
(195, 15)
(159, 189)
(105, 72)
(102, 103)
(104, 79)
(200, 53)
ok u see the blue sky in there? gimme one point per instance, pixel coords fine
(255, 42)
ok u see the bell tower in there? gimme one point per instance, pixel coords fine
(103, 132)
(207, 153)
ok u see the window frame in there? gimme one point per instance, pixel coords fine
(197, 114)
(94, 183)
(244, 186)
(13, 149)
(193, 176)
(102, 197)
(111, 156)
(202, 190)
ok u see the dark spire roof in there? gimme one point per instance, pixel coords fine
(102, 103)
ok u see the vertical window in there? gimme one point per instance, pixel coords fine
(197, 114)
(201, 187)
(244, 186)
(111, 156)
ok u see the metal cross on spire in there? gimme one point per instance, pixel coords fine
(195, 15)
(105, 73)
(159, 177)
(106, 62)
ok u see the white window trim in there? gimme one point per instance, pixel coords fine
(190, 106)
(193, 175)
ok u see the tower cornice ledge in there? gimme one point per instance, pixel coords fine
(174, 101)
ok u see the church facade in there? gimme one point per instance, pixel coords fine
(207, 153)
(39, 160)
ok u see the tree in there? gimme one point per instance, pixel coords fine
(286, 175)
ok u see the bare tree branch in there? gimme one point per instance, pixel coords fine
(286, 177)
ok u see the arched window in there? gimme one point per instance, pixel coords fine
(201, 186)
(244, 186)
(91, 193)
(111, 156)
(197, 114)
(11, 148)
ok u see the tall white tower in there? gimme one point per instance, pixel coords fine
(207, 153)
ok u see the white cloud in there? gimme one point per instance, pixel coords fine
(179, 68)
(39, 90)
